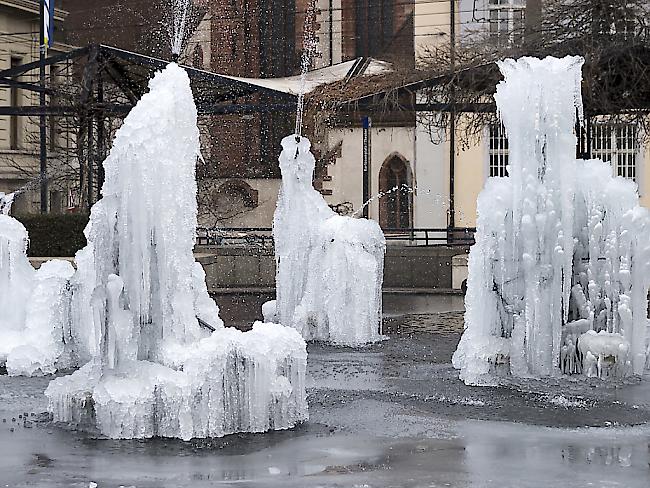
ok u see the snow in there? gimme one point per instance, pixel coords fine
(329, 268)
(561, 246)
(156, 371)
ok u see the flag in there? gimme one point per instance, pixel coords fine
(48, 22)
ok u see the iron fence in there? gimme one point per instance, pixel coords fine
(263, 236)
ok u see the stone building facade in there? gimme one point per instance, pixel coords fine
(19, 135)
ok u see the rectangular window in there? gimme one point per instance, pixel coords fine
(498, 150)
(617, 144)
(14, 101)
(506, 21)
(374, 23)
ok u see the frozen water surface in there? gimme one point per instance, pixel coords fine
(391, 414)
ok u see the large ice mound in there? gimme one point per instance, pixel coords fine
(138, 289)
(559, 275)
(34, 323)
(329, 268)
(16, 283)
(229, 382)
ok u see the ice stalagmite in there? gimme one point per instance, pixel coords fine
(157, 370)
(16, 283)
(329, 268)
(559, 274)
(34, 321)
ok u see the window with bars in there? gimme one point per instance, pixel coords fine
(506, 21)
(498, 150)
(617, 144)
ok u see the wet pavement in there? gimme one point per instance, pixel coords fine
(390, 415)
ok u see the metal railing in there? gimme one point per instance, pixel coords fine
(431, 236)
(234, 236)
(263, 236)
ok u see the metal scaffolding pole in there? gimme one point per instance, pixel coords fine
(43, 118)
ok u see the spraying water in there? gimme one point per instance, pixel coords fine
(382, 194)
(180, 10)
(310, 47)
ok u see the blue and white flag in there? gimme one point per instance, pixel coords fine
(48, 22)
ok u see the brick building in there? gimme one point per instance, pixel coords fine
(253, 39)
(136, 25)
(264, 39)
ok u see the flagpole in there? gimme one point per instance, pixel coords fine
(43, 119)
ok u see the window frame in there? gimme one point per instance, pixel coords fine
(502, 152)
(613, 153)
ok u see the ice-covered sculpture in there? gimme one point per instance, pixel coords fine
(138, 289)
(329, 268)
(44, 348)
(6, 201)
(35, 313)
(559, 274)
(16, 283)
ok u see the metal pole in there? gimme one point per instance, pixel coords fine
(367, 173)
(101, 136)
(331, 31)
(452, 118)
(90, 157)
(43, 118)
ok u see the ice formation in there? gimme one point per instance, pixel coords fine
(329, 268)
(6, 201)
(35, 304)
(559, 275)
(156, 370)
(42, 348)
(16, 283)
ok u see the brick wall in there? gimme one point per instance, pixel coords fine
(379, 28)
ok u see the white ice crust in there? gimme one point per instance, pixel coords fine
(559, 274)
(329, 268)
(154, 369)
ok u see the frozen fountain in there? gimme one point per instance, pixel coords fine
(34, 322)
(559, 275)
(329, 268)
(141, 309)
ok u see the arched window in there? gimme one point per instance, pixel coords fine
(197, 57)
(395, 208)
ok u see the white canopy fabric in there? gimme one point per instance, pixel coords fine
(315, 78)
